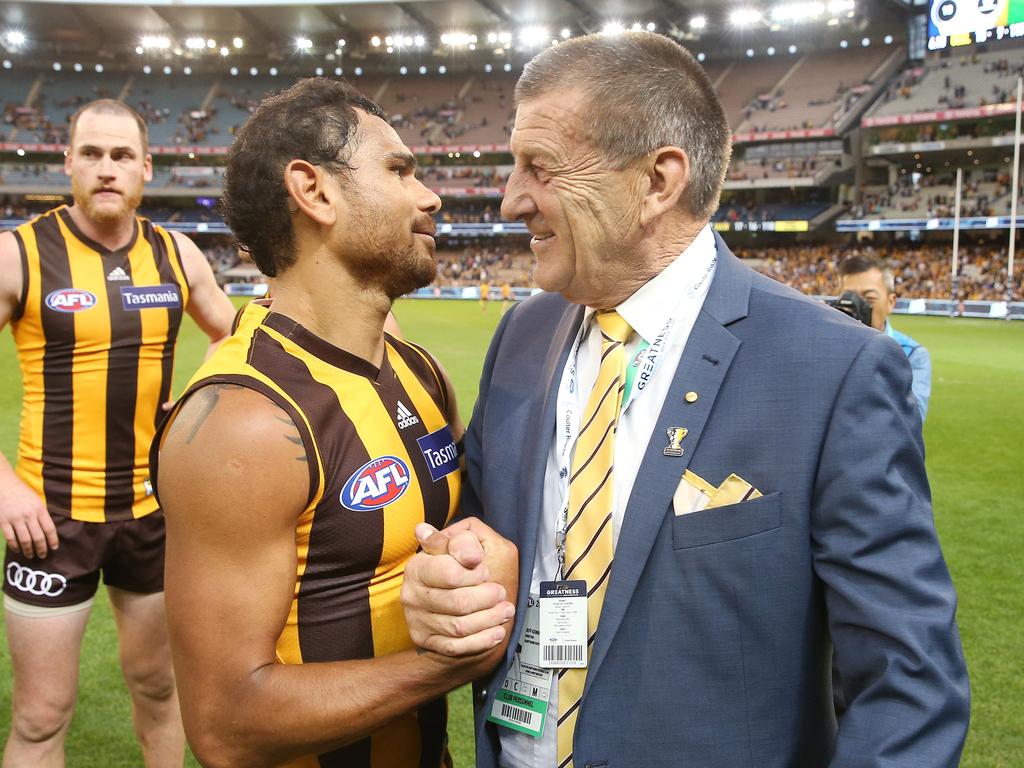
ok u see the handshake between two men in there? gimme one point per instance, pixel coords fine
(459, 592)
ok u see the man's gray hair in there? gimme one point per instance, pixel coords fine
(643, 91)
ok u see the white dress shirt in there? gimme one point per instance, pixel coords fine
(667, 305)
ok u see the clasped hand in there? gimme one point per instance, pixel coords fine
(459, 591)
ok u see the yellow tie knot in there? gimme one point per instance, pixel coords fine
(614, 326)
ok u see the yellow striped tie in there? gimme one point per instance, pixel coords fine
(588, 537)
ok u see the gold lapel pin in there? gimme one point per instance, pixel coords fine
(691, 397)
(675, 437)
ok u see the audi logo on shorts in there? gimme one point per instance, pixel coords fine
(34, 582)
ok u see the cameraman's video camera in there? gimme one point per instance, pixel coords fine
(854, 305)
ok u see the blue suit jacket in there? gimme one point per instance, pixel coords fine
(713, 647)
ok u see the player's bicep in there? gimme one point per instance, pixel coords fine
(208, 305)
(10, 277)
(232, 483)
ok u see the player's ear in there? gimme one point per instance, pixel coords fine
(308, 193)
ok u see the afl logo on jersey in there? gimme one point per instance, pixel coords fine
(70, 300)
(376, 484)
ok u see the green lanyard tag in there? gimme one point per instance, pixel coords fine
(631, 368)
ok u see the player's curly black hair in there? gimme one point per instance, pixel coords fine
(315, 120)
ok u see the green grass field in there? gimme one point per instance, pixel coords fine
(974, 439)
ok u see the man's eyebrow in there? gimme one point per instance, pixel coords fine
(126, 148)
(408, 159)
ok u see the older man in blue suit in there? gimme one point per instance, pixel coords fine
(676, 446)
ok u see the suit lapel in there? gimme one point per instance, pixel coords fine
(536, 448)
(705, 361)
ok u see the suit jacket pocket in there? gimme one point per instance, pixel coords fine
(735, 521)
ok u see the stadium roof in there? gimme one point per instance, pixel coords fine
(297, 32)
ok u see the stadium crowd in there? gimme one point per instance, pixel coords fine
(920, 271)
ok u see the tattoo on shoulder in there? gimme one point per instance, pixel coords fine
(292, 435)
(205, 401)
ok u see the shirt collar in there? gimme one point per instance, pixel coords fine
(649, 308)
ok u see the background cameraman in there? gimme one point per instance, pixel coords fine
(873, 281)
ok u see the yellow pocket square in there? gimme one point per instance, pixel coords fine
(694, 493)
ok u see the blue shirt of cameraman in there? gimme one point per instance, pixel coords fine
(920, 366)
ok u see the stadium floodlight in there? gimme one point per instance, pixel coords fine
(403, 70)
(476, 153)
(744, 17)
(637, 26)
(358, 71)
(507, 67)
(167, 70)
(224, 50)
(375, 41)
(565, 33)
(651, 26)
(234, 71)
(20, 152)
(139, 49)
(504, 38)
(77, 67)
(613, 28)
(701, 57)
(56, 66)
(99, 69)
(319, 71)
(303, 43)
(458, 39)
(211, 44)
(15, 37)
(390, 49)
(533, 36)
(146, 69)
(419, 41)
(442, 70)
(888, 39)
(492, 37)
(843, 44)
(239, 42)
(341, 42)
(338, 71)
(422, 70)
(865, 42)
(195, 43)
(253, 71)
(771, 50)
(390, 41)
(792, 49)
(7, 64)
(797, 12)
(488, 68)
(841, 6)
(407, 41)
(155, 41)
(750, 53)
(273, 71)
(698, 22)
(187, 70)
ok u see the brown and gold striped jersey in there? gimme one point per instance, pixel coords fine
(95, 331)
(381, 458)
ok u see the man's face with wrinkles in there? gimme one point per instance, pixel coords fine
(583, 214)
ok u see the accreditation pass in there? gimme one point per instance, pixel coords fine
(522, 702)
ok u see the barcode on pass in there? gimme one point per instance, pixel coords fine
(563, 654)
(519, 715)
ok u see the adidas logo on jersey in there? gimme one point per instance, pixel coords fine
(406, 418)
(117, 273)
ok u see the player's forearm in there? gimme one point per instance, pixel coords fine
(283, 711)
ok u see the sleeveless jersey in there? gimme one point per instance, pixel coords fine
(95, 332)
(381, 459)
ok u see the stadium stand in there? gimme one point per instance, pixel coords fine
(954, 81)
(985, 192)
(814, 92)
(920, 271)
